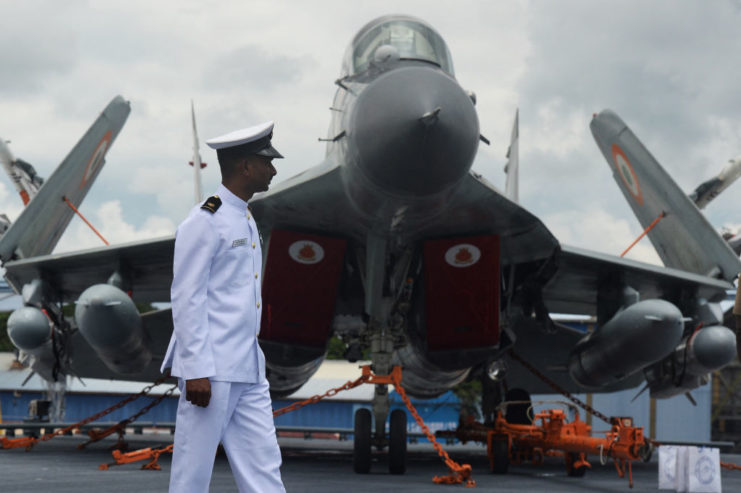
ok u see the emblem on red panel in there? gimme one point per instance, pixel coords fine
(626, 173)
(97, 157)
(306, 252)
(463, 255)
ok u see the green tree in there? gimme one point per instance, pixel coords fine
(469, 397)
(336, 348)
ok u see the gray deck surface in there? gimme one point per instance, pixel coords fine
(310, 466)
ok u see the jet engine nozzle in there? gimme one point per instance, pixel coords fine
(29, 328)
(413, 131)
(110, 323)
(634, 338)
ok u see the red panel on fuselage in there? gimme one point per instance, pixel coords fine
(299, 290)
(462, 292)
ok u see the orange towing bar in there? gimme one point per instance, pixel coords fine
(144, 454)
(517, 443)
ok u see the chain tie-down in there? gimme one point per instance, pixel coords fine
(29, 442)
(96, 434)
(460, 473)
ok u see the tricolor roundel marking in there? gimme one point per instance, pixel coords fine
(306, 252)
(462, 255)
(97, 157)
(626, 173)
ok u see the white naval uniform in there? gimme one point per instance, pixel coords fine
(216, 309)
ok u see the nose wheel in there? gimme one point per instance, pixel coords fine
(398, 442)
(363, 441)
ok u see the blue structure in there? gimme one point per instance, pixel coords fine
(438, 414)
(14, 407)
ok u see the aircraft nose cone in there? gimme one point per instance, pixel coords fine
(414, 131)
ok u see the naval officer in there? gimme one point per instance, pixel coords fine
(216, 309)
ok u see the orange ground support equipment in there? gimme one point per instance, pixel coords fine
(150, 454)
(509, 443)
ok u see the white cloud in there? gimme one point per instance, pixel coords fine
(109, 221)
(670, 76)
(600, 231)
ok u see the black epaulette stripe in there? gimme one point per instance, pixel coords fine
(212, 204)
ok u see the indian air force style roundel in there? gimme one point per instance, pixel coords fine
(306, 252)
(627, 174)
(96, 159)
(462, 255)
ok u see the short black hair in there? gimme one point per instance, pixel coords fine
(229, 158)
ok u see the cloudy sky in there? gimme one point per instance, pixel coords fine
(670, 69)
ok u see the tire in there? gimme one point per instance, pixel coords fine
(361, 460)
(574, 472)
(398, 442)
(499, 454)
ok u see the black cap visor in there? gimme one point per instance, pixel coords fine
(269, 151)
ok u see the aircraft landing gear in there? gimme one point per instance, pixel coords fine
(362, 442)
(398, 442)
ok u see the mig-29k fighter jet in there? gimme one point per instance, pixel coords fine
(397, 246)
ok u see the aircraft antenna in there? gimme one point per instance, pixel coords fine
(513, 162)
(196, 162)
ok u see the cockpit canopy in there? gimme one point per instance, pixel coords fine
(410, 37)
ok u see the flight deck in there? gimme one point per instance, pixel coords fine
(312, 466)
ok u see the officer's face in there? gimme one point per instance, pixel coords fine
(260, 171)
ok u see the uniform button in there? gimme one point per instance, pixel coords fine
(249, 217)
(253, 244)
(255, 275)
(258, 304)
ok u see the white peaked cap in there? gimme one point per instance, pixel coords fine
(243, 136)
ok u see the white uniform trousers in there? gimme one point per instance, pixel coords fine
(239, 416)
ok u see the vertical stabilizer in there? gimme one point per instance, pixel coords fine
(684, 239)
(22, 174)
(39, 227)
(512, 187)
(711, 188)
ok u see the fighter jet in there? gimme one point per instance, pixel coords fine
(397, 246)
(709, 189)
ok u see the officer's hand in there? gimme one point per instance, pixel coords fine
(198, 391)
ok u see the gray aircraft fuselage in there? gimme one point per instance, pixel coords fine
(408, 132)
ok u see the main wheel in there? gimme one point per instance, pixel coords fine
(361, 459)
(575, 472)
(398, 442)
(499, 454)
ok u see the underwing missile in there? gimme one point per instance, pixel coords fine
(29, 328)
(707, 350)
(110, 323)
(634, 338)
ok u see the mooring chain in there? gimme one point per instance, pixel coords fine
(316, 398)
(460, 473)
(29, 442)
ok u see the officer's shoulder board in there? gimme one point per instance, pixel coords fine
(212, 204)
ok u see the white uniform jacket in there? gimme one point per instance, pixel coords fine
(216, 296)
